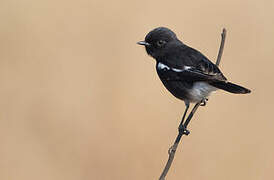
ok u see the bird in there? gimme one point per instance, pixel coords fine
(185, 72)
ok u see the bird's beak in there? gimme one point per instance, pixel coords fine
(143, 43)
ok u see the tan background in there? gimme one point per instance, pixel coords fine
(79, 100)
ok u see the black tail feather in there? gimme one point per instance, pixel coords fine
(230, 87)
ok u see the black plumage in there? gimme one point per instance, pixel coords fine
(184, 71)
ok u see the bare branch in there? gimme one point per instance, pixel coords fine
(221, 49)
(173, 148)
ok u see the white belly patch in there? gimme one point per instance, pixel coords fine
(201, 90)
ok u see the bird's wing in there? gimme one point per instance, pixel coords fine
(208, 68)
(189, 57)
(188, 73)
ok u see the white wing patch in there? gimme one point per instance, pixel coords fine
(177, 70)
(187, 67)
(162, 66)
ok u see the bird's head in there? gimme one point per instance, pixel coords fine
(157, 41)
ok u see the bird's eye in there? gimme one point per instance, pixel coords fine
(160, 43)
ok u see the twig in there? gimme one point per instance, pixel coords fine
(221, 49)
(173, 148)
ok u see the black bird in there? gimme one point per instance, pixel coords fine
(184, 71)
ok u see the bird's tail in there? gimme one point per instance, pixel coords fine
(230, 87)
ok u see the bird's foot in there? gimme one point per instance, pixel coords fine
(183, 130)
(203, 102)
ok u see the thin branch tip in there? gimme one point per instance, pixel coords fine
(224, 31)
(221, 49)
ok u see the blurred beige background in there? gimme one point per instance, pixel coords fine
(79, 100)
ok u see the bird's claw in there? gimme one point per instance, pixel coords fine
(183, 130)
(204, 101)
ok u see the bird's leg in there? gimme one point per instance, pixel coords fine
(204, 101)
(191, 114)
(181, 127)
